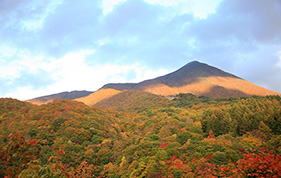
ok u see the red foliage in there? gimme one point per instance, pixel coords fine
(155, 175)
(209, 156)
(33, 142)
(258, 163)
(173, 158)
(263, 164)
(60, 151)
(174, 162)
(211, 135)
(17, 155)
(163, 145)
(241, 150)
(8, 137)
(49, 159)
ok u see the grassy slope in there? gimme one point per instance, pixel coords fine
(98, 96)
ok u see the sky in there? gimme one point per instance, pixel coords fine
(51, 46)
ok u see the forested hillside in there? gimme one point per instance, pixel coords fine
(188, 136)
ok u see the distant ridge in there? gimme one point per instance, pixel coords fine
(199, 79)
(61, 96)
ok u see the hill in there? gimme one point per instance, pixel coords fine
(190, 137)
(132, 100)
(199, 79)
(61, 96)
(148, 136)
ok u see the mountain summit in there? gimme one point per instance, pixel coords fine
(190, 73)
(199, 79)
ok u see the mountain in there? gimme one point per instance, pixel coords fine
(199, 79)
(61, 96)
(195, 77)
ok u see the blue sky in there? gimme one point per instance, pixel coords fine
(51, 46)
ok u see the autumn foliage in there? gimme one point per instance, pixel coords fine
(186, 137)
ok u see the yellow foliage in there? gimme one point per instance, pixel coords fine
(109, 170)
(123, 162)
(220, 142)
(252, 141)
(124, 135)
(198, 123)
(183, 130)
(83, 170)
(106, 142)
(164, 132)
(147, 133)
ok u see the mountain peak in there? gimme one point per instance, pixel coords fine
(191, 73)
(194, 63)
(198, 69)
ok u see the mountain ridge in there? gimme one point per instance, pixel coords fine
(166, 79)
(61, 96)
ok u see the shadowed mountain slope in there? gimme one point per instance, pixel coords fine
(61, 96)
(120, 86)
(199, 79)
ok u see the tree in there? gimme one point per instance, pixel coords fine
(183, 137)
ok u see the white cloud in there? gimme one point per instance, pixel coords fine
(41, 41)
(108, 5)
(26, 15)
(6, 51)
(36, 21)
(23, 61)
(72, 73)
(9, 71)
(203, 8)
(199, 8)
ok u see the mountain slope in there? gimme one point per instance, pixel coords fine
(199, 79)
(61, 96)
(120, 86)
(98, 96)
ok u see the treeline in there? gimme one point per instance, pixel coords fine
(190, 137)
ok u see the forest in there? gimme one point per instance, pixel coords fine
(184, 136)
